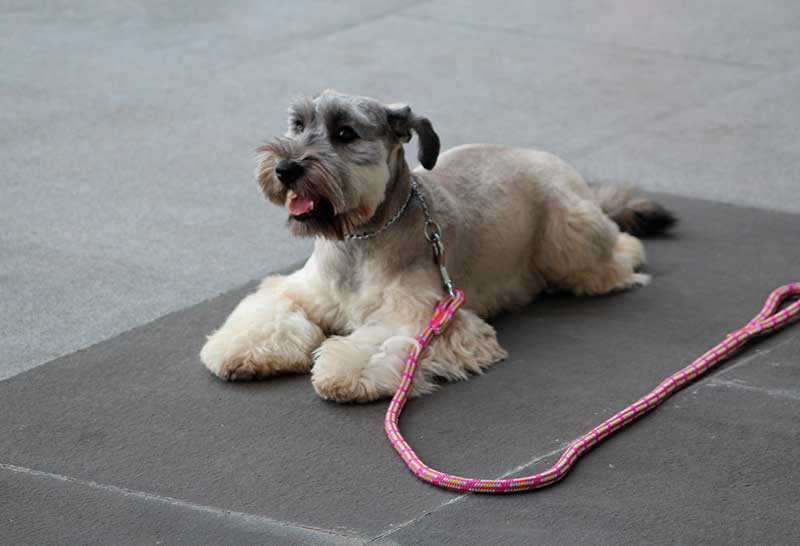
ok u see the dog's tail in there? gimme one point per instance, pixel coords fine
(634, 214)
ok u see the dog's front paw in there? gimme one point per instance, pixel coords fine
(337, 372)
(237, 358)
(347, 371)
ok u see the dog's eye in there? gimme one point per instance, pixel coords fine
(346, 134)
(297, 126)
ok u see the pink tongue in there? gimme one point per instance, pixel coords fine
(300, 205)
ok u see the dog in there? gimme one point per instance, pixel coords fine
(514, 222)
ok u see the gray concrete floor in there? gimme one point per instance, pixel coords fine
(128, 129)
(127, 133)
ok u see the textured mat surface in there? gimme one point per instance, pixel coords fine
(131, 440)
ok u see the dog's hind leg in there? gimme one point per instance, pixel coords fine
(268, 333)
(584, 251)
(467, 346)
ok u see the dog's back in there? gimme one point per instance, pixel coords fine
(531, 217)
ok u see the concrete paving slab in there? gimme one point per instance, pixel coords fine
(734, 31)
(139, 412)
(747, 139)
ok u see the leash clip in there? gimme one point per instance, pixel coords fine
(433, 233)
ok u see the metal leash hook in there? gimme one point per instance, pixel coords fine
(433, 233)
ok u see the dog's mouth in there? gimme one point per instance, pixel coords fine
(300, 205)
(307, 207)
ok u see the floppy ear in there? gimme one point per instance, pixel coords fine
(402, 121)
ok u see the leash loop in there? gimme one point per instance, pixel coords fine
(767, 320)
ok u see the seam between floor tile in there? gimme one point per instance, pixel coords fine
(252, 519)
(764, 73)
(745, 360)
(639, 127)
(716, 379)
(587, 42)
(780, 394)
(390, 531)
(395, 11)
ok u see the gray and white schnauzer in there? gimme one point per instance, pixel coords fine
(514, 221)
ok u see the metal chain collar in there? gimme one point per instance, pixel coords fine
(393, 220)
(433, 234)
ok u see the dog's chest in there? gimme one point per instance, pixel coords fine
(351, 287)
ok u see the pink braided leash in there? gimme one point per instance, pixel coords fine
(768, 320)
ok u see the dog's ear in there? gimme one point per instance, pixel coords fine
(402, 121)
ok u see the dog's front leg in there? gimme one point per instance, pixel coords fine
(368, 364)
(269, 332)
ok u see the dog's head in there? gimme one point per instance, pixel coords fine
(332, 167)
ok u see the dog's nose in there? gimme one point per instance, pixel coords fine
(288, 170)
